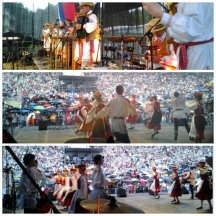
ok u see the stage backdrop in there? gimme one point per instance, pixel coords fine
(66, 10)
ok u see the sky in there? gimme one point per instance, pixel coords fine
(38, 4)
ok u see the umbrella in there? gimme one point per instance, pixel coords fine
(51, 109)
(14, 110)
(151, 179)
(25, 110)
(25, 93)
(142, 180)
(32, 104)
(134, 180)
(38, 108)
(37, 112)
(166, 179)
(47, 105)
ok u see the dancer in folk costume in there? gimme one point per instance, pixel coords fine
(46, 34)
(154, 122)
(100, 128)
(59, 179)
(79, 118)
(66, 201)
(61, 49)
(155, 187)
(87, 50)
(86, 128)
(81, 193)
(204, 189)
(132, 119)
(198, 121)
(175, 189)
(66, 186)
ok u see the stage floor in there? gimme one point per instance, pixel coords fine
(44, 64)
(151, 205)
(138, 135)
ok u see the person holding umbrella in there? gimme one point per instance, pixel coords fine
(155, 187)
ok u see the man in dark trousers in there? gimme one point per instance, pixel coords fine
(118, 109)
(190, 178)
(178, 114)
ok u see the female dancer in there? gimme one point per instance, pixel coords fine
(155, 187)
(81, 193)
(154, 122)
(198, 121)
(204, 190)
(175, 188)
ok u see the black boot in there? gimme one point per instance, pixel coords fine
(175, 135)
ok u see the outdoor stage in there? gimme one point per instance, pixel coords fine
(44, 64)
(138, 135)
(150, 205)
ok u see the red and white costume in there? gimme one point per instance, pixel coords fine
(59, 181)
(155, 187)
(132, 119)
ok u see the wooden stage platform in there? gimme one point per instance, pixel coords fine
(44, 64)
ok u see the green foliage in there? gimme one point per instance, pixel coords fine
(19, 19)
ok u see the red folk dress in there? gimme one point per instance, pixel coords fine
(132, 119)
(101, 128)
(154, 122)
(175, 188)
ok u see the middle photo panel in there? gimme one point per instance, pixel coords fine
(109, 107)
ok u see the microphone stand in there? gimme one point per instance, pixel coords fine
(150, 35)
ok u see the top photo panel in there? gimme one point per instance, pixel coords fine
(107, 36)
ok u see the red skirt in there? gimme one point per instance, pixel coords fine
(176, 192)
(200, 123)
(86, 128)
(205, 192)
(157, 185)
(154, 122)
(68, 199)
(132, 119)
(101, 129)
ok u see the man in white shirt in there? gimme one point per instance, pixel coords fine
(29, 193)
(178, 114)
(118, 109)
(192, 28)
(98, 181)
(190, 177)
(87, 49)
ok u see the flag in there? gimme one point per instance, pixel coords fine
(66, 10)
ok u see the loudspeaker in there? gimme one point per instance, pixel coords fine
(184, 190)
(121, 192)
(42, 125)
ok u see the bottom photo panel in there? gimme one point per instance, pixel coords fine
(107, 179)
